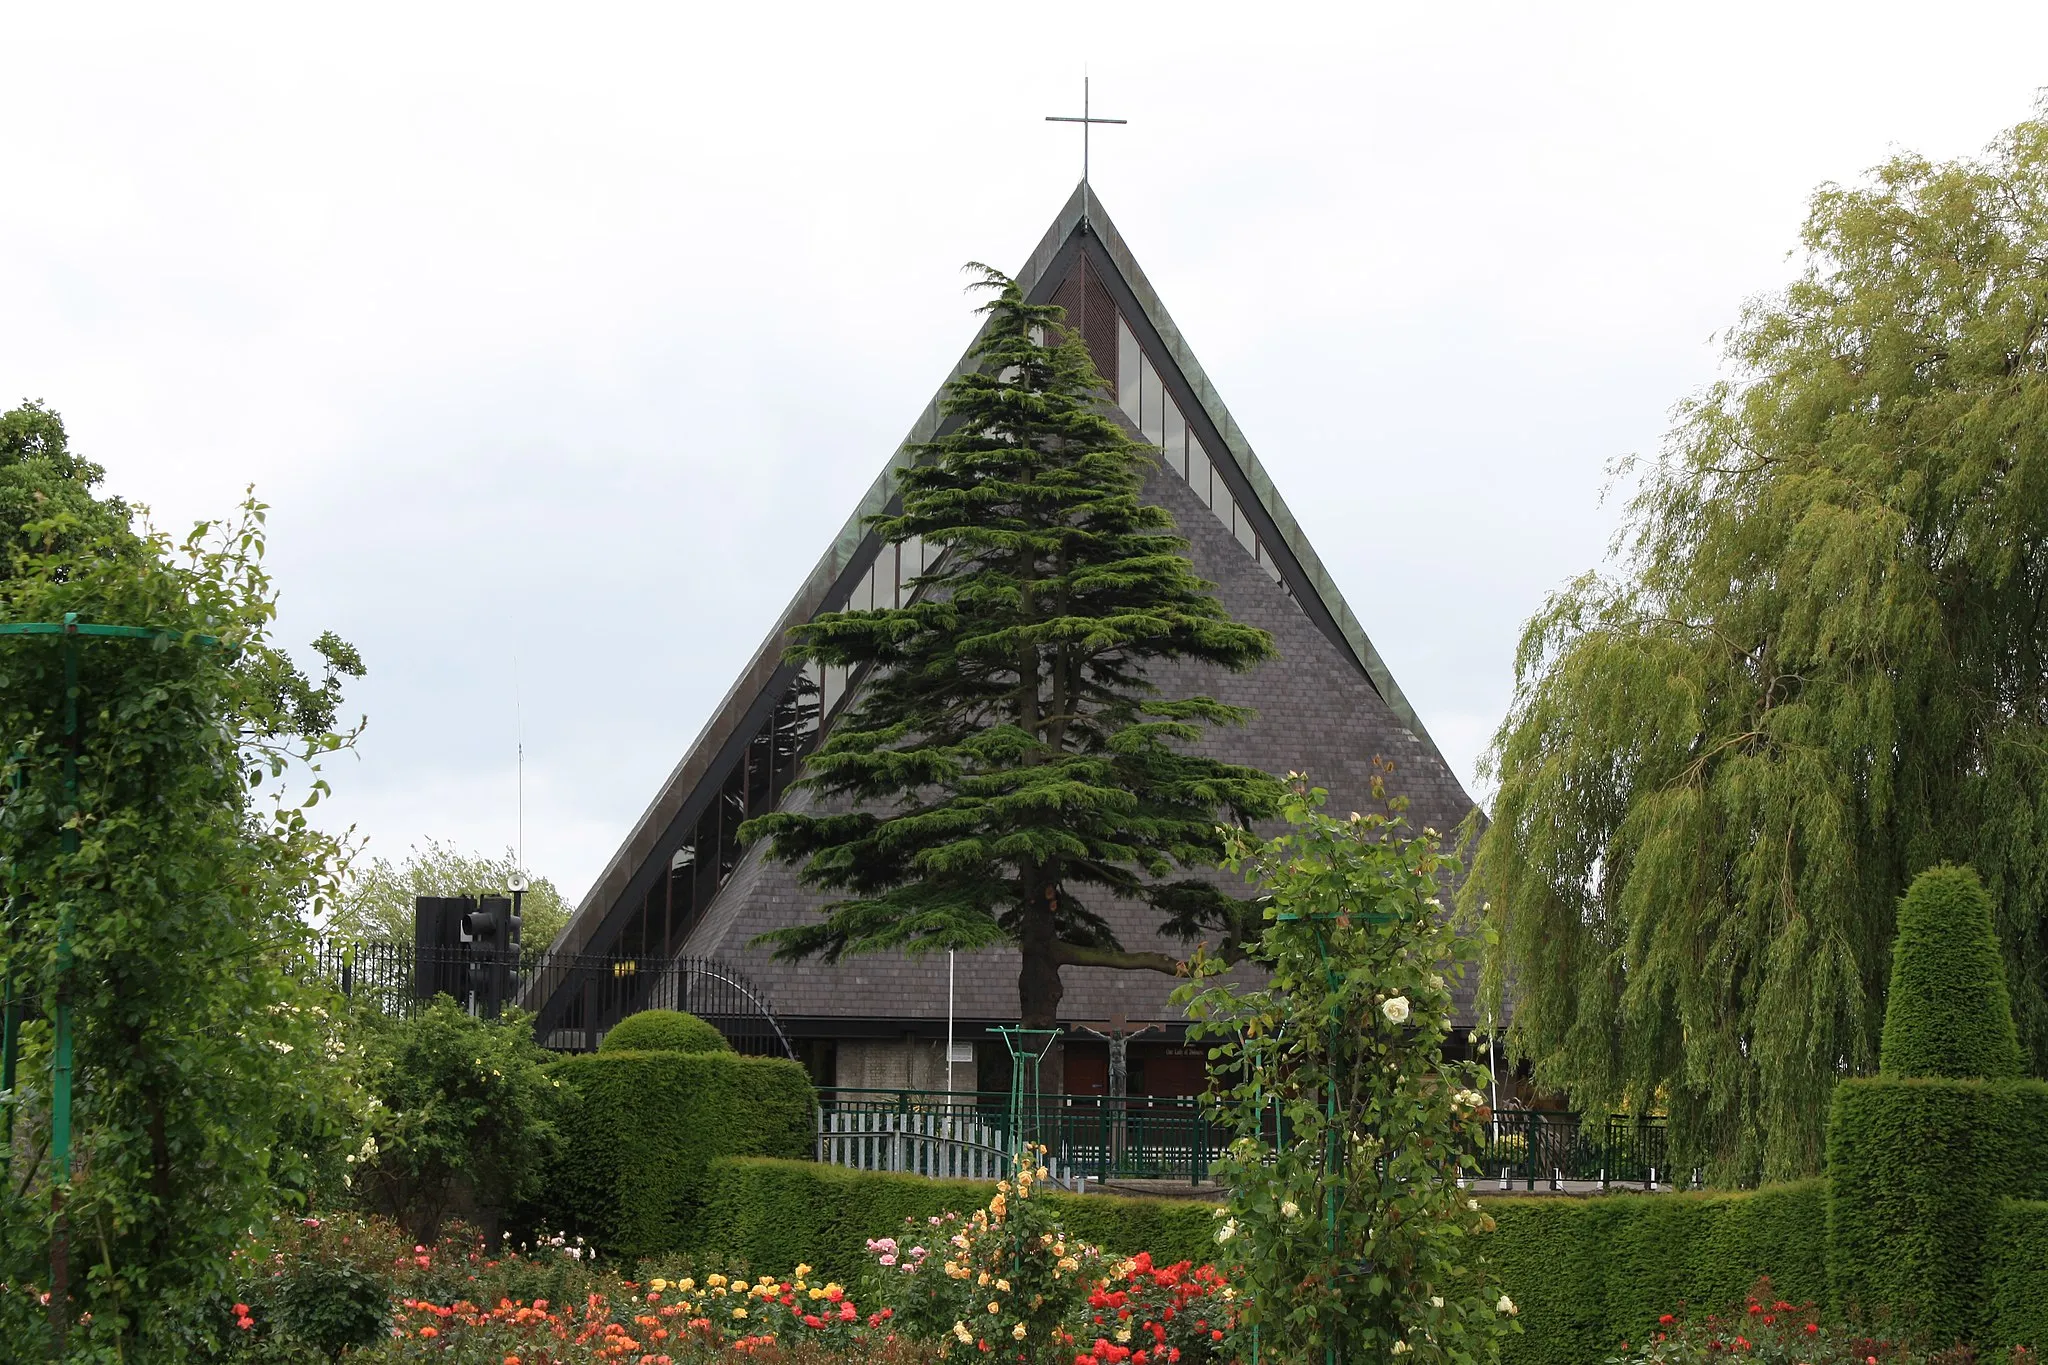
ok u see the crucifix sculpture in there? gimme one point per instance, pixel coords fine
(1118, 1035)
(1085, 120)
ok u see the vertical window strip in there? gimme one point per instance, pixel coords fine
(1128, 359)
(1153, 396)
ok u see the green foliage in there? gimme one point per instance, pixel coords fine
(466, 1109)
(641, 1128)
(2016, 1271)
(1917, 1171)
(1821, 669)
(1590, 1274)
(180, 875)
(1948, 1012)
(1005, 756)
(377, 899)
(773, 1213)
(663, 1031)
(48, 509)
(1353, 1236)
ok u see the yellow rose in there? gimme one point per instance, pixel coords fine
(994, 1308)
(686, 1284)
(657, 1284)
(803, 1270)
(1003, 1286)
(1018, 1331)
(739, 1312)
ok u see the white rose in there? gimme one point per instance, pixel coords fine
(1396, 1009)
(1227, 1231)
(1289, 1209)
(1400, 1347)
(1436, 1300)
(1506, 1305)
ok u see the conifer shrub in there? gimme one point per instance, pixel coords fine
(1949, 1012)
(1919, 1170)
(641, 1128)
(663, 1031)
(2018, 1275)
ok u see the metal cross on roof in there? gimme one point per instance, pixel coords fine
(1084, 120)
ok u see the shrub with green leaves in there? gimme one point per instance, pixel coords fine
(464, 1108)
(177, 872)
(663, 1031)
(1949, 1012)
(1352, 1234)
(641, 1128)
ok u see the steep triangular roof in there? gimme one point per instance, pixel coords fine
(1349, 711)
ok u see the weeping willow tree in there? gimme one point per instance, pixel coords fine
(1820, 666)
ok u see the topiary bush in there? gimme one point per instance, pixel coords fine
(1948, 1012)
(640, 1128)
(663, 1031)
(1917, 1172)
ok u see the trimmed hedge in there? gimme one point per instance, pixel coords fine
(1918, 1170)
(642, 1128)
(2017, 1271)
(1589, 1274)
(1948, 1012)
(663, 1031)
(777, 1214)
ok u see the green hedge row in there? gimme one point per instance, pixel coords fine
(642, 1128)
(1918, 1171)
(776, 1214)
(2018, 1273)
(1589, 1274)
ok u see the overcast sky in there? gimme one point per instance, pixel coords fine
(573, 332)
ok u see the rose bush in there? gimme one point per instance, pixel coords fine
(1350, 1229)
(1768, 1330)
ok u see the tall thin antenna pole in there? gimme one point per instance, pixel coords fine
(949, 1021)
(519, 742)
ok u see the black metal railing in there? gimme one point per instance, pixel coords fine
(1528, 1146)
(576, 998)
(1087, 1136)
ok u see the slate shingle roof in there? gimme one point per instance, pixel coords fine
(1317, 713)
(1327, 706)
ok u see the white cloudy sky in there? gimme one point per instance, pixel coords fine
(572, 332)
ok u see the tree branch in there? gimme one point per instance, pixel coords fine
(1076, 955)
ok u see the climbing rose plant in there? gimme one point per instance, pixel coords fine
(1347, 1229)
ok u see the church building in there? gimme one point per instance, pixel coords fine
(681, 885)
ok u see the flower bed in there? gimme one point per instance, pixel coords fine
(1003, 1283)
